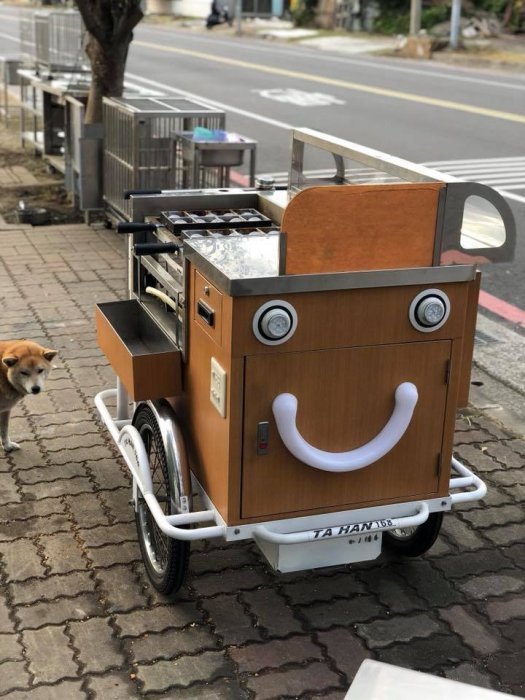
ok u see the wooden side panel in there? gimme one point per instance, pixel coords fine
(213, 440)
(468, 341)
(207, 294)
(454, 377)
(361, 227)
(345, 397)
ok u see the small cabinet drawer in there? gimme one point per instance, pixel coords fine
(207, 307)
(145, 360)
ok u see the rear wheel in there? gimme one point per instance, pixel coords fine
(413, 541)
(165, 559)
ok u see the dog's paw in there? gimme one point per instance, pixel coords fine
(11, 446)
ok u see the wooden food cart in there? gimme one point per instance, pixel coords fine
(297, 357)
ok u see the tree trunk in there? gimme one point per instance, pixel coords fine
(109, 26)
(108, 64)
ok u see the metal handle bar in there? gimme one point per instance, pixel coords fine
(155, 248)
(467, 478)
(285, 411)
(132, 449)
(135, 227)
(345, 530)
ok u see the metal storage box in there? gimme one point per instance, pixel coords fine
(147, 362)
(138, 139)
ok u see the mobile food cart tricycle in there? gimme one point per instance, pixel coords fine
(296, 358)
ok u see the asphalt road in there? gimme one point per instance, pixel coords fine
(425, 112)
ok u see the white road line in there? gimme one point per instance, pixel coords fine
(11, 38)
(212, 103)
(469, 161)
(484, 167)
(489, 171)
(505, 181)
(508, 195)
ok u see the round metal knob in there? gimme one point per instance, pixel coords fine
(430, 311)
(275, 323)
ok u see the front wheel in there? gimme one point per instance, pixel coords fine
(413, 541)
(165, 559)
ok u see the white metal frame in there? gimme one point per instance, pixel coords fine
(291, 531)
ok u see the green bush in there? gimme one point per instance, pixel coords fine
(388, 23)
(304, 14)
(434, 15)
(395, 14)
(496, 6)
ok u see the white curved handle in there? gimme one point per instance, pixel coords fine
(284, 409)
(163, 297)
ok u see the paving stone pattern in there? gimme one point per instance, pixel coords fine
(78, 618)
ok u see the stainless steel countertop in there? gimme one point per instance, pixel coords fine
(251, 265)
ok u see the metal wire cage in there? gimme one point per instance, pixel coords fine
(138, 143)
(53, 41)
(66, 41)
(41, 21)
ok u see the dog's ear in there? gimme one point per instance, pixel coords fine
(49, 354)
(9, 361)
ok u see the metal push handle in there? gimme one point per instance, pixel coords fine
(285, 411)
(155, 248)
(135, 227)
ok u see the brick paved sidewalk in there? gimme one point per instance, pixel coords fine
(78, 618)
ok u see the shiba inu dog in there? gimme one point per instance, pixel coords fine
(24, 366)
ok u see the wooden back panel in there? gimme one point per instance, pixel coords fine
(343, 228)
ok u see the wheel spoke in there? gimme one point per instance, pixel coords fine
(156, 542)
(165, 558)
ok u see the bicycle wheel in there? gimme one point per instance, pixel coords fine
(413, 541)
(165, 559)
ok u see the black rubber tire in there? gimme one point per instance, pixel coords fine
(415, 542)
(165, 559)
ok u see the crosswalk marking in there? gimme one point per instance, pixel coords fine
(506, 175)
(503, 174)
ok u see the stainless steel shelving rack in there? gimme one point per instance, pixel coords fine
(138, 143)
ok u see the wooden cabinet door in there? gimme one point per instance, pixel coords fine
(345, 397)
